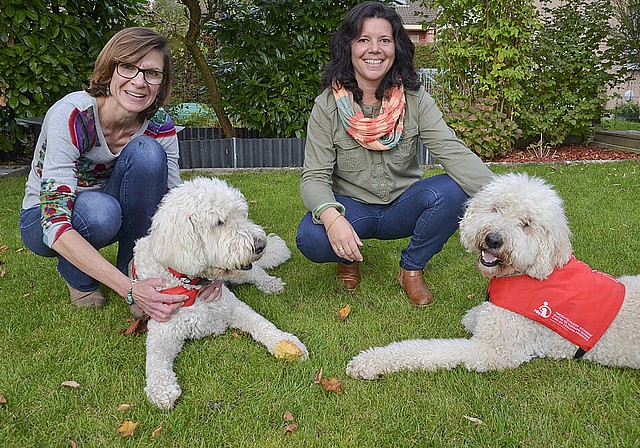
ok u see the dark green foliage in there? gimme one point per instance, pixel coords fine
(629, 112)
(47, 49)
(566, 90)
(487, 131)
(426, 56)
(274, 51)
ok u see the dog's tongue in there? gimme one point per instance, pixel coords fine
(488, 257)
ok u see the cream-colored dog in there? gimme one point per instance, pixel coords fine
(201, 231)
(517, 226)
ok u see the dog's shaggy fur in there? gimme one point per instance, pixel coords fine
(517, 225)
(202, 229)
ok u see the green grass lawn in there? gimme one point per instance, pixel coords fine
(235, 393)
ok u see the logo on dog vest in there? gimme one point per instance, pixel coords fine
(543, 310)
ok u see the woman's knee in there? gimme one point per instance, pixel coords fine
(97, 217)
(147, 153)
(311, 239)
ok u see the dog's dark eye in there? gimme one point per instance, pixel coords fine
(525, 224)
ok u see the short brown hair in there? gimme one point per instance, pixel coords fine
(131, 45)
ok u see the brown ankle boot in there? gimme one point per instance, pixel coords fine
(86, 299)
(349, 274)
(413, 284)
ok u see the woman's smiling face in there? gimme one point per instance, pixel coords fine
(135, 94)
(373, 52)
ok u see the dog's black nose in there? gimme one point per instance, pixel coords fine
(259, 245)
(493, 240)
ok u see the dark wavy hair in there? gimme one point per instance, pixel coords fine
(131, 45)
(341, 69)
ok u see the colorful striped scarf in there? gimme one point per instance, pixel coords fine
(379, 133)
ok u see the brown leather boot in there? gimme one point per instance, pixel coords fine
(413, 284)
(349, 274)
(86, 299)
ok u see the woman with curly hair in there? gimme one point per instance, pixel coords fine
(361, 176)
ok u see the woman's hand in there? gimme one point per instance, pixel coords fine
(343, 238)
(212, 292)
(159, 307)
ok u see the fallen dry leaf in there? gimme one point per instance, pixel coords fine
(9, 210)
(70, 384)
(331, 384)
(155, 433)
(73, 443)
(288, 416)
(287, 350)
(20, 250)
(32, 284)
(344, 312)
(4, 248)
(24, 296)
(137, 326)
(473, 419)
(3, 273)
(125, 407)
(253, 202)
(318, 377)
(290, 428)
(126, 428)
(2, 399)
(471, 296)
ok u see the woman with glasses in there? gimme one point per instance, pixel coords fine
(103, 161)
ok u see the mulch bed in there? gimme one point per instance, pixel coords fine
(568, 154)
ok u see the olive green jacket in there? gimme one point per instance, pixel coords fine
(335, 163)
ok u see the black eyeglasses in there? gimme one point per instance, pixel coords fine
(130, 71)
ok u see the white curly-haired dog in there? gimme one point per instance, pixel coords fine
(201, 231)
(517, 225)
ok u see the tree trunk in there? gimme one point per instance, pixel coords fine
(191, 43)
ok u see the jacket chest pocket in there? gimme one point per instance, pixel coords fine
(407, 148)
(350, 156)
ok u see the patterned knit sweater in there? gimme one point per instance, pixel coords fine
(72, 156)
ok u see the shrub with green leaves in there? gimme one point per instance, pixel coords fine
(275, 51)
(487, 131)
(628, 111)
(484, 53)
(426, 56)
(48, 49)
(566, 90)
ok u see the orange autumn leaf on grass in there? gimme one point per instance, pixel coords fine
(290, 428)
(155, 433)
(127, 427)
(344, 312)
(328, 384)
(331, 384)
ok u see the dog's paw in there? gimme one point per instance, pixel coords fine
(271, 285)
(364, 367)
(290, 348)
(163, 396)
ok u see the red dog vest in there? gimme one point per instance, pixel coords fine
(575, 301)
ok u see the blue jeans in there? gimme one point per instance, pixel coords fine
(428, 211)
(121, 211)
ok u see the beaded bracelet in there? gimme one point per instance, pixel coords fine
(129, 298)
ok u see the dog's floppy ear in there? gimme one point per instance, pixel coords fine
(174, 239)
(555, 246)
